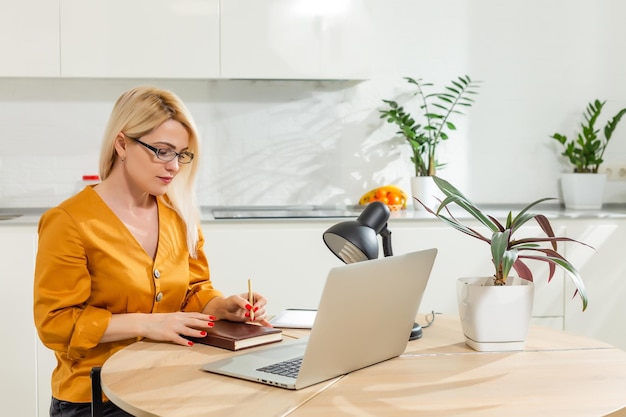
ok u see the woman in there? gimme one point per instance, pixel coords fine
(123, 260)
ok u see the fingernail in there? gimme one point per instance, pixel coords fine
(203, 333)
(247, 314)
(248, 307)
(190, 343)
(255, 309)
(212, 318)
(211, 324)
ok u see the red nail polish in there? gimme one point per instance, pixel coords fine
(256, 309)
(190, 343)
(203, 333)
(211, 324)
(248, 307)
(212, 318)
(247, 314)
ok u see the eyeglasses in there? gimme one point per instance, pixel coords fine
(167, 155)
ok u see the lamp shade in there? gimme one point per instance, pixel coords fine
(356, 240)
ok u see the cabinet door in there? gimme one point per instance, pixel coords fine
(287, 261)
(295, 39)
(604, 275)
(463, 256)
(29, 38)
(18, 395)
(457, 256)
(140, 38)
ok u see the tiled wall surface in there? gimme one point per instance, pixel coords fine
(311, 142)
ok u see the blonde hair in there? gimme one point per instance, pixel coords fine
(136, 113)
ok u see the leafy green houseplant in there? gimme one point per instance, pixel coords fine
(585, 153)
(425, 133)
(583, 189)
(508, 252)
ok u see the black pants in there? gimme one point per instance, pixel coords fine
(67, 409)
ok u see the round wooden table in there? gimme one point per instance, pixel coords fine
(559, 374)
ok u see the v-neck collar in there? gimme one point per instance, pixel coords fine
(97, 198)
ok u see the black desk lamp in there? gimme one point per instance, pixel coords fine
(356, 240)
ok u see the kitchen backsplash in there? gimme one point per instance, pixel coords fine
(314, 142)
(263, 142)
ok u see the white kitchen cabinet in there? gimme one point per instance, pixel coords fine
(193, 39)
(26, 363)
(29, 38)
(295, 39)
(18, 395)
(604, 274)
(288, 262)
(463, 256)
(140, 38)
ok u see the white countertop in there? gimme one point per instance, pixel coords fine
(30, 215)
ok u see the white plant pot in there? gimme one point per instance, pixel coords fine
(582, 191)
(495, 318)
(425, 189)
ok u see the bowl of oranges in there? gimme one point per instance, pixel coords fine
(390, 195)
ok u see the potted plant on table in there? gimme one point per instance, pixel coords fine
(584, 187)
(495, 311)
(426, 132)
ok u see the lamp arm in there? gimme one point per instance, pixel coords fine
(385, 234)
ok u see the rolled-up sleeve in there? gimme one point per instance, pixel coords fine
(62, 287)
(88, 331)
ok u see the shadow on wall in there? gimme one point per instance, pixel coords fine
(264, 142)
(304, 148)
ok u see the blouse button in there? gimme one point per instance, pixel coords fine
(157, 274)
(159, 296)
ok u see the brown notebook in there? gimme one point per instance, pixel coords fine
(235, 335)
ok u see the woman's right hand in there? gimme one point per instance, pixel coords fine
(164, 327)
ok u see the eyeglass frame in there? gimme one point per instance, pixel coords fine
(157, 152)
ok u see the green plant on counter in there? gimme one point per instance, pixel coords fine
(585, 153)
(437, 110)
(507, 252)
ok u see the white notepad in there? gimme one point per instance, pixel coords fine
(294, 318)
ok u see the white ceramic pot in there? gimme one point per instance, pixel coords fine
(425, 189)
(582, 191)
(495, 318)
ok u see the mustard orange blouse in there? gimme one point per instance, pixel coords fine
(89, 266)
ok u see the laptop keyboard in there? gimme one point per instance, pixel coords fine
(289, 368)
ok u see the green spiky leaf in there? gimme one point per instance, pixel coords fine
(508, 252)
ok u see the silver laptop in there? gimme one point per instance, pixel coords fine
(365, 316)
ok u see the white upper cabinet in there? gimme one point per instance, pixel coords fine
(295, 39)
(139, 38)
(200, 39)
(29, 38)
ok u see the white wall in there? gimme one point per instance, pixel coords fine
(310, 142)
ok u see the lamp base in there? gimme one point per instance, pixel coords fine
(416, 332)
